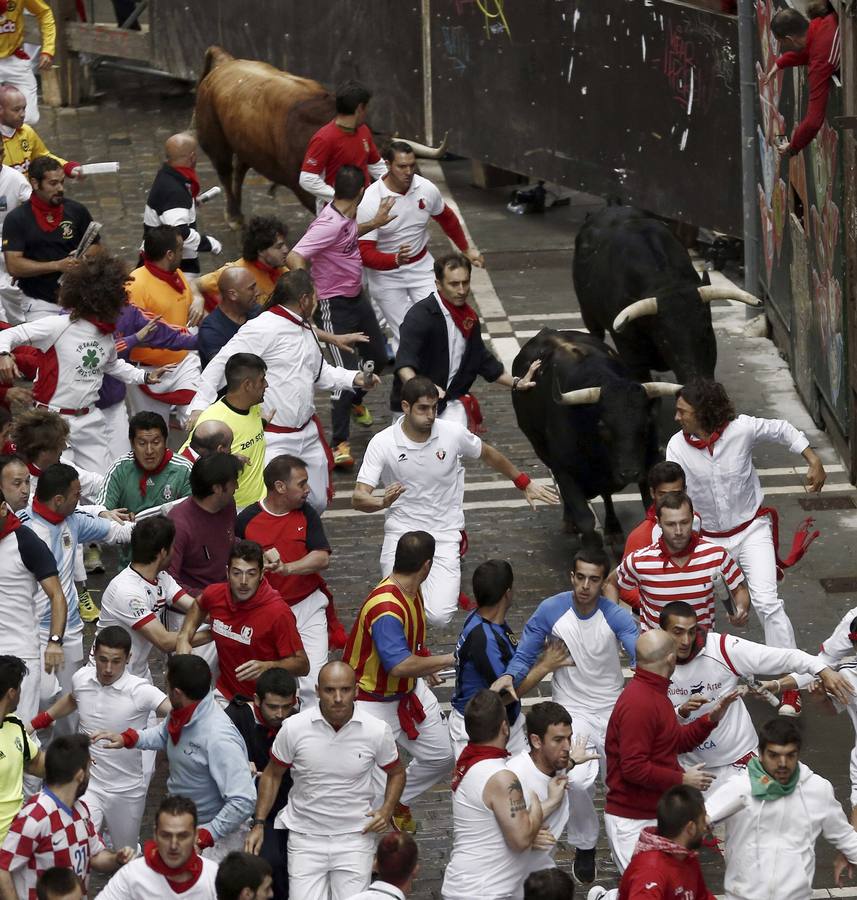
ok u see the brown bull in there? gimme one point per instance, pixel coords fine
(250, 115)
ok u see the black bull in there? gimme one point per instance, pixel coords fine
(594, 443)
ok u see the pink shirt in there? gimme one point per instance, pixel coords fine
(331, 243)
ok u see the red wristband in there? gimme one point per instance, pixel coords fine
(42, 720)
(204, 838)
(522, 481)
(130, 738)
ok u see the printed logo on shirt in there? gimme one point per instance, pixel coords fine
(365, 145)
(67, 229)
(9, 28)
(697, 688)
(66, 541)
(402, 457)
(225, 629)
(441, 455)
(422, 203)
(167, 492)
(18, 745)
(90, 359)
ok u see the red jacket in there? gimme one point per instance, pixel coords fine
(821, 57)
(661, 869)
(643, 741)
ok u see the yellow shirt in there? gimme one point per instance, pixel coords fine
(248, 439)
(23, 147)
(12, 762)
(12, 26)
(154, 295)
(266, 278)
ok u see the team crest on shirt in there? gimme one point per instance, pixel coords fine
(167, 492)
(422, 203)
(66, 541)
(441, 455)
(67, 230)
(402, 457)
(18, 745)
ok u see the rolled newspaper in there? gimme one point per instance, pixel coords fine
(104, 168)
(722, 592)
(210, 194)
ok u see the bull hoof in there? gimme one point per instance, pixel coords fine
(235, 224)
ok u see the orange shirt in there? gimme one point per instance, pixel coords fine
(266, 277)
(155, 296)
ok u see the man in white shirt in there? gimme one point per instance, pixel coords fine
(399, 266)
(417, 460)
(136, 598)
(715, 449)
(494, 828)
(15, 189)
(332, 751)
(170, 867)
(774, 812)
(109, 698)
(284, 338)
(711, 665)
(551, 753)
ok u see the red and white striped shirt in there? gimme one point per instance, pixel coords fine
(660, 580)
(46, 833)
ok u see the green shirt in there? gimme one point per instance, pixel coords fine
(122, 484)
(16, 749)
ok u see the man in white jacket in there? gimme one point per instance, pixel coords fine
(774, 811)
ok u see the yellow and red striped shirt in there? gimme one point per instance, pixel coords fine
(361, 653)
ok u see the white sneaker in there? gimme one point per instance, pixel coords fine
(596, 893)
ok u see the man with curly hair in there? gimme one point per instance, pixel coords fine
(715, 449)
(78, 349)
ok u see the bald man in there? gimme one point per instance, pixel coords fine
(21, 143)
(172, 197)
(210, 436)
(331, 751)
(239, 301)
(644, 739)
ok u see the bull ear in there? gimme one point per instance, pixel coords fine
(660, 389)
(648, 306)
(709, 292)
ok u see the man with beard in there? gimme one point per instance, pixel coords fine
(54, 828)
(710, 665)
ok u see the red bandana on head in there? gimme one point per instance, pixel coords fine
(472, 754)
(709, 443)
(173, 279)
(168, 455)
(48, 217)
(191, 178)
(193, 865)
(463, 317)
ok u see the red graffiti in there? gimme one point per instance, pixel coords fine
(683, 70)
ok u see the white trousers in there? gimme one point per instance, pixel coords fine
(623, 835)
(312, 627)
(116, 427)
(13, 299)
(87, 441)
(458, 735)
(225, 845)
(395, 294)
(443, 585)
(329, 866)
(583, 824)
(31, 687)
(119, 812)
(185, 377)
(431, 752)
(54, 687)
(20, 73)
(306, 445)
(753, 550)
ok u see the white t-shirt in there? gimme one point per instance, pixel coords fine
(456, 344)
(137, 881)
(331, 770)
(14, 190)
(132, 601)
(431, 472)
(127, 703)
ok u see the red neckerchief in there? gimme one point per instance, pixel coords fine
(46, 513)
(178, 719)
(287, 314)
(173, 279)
(168, 455)
(260, 720)
(696, 649)
(463, 317)
(47, 217)
(190, 177)
(103, 327)
(708, 444)
(10, 523)
(34, 470)
(472, 754)
(273, 272)
(193, 864)
(668, 557)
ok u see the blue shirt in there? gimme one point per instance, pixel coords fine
(215, 331)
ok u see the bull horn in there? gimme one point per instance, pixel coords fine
(660, 389)
(423, 150)
(580, 397)
(709, 292)
(648, 306)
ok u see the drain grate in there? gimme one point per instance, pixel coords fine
(844, 585)
(812, 504)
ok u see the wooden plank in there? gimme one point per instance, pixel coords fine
(848, 34)
(64, 82)
(108, 40)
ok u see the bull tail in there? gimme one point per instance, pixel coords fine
(214, 56)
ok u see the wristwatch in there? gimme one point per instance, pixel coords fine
(254, 822)
(55, 639)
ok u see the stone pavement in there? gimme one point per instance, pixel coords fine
(529, 260)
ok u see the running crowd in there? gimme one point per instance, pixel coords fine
(286, 775)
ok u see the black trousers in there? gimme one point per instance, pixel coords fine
(275, 851)
(343, 315)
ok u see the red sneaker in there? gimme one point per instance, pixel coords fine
(790, 705)
(465, 602)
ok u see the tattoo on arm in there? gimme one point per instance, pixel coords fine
(517, 803)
